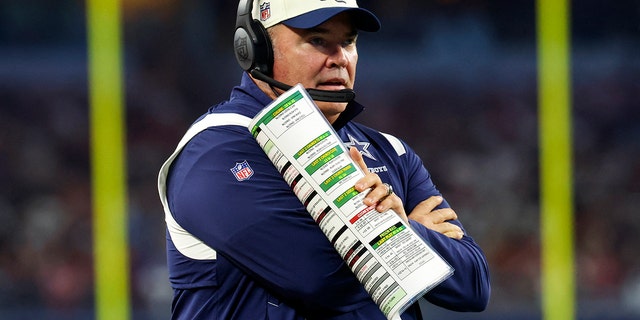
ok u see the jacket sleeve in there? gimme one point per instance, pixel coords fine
(258, 223)
(468, 289)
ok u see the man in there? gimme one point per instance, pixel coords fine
(242, 246)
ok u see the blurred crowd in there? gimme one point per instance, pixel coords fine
(455, 79)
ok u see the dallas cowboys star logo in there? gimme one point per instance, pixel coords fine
(361, 146)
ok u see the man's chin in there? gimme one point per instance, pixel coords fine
(331, 110)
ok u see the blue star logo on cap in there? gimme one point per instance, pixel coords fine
(363, 147)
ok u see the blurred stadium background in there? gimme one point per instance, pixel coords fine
(456, 79)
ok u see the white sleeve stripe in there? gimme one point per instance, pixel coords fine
(185, 242)
(396, 143)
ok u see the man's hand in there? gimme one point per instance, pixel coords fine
(423, 213)
(436, 220)
(378, 196)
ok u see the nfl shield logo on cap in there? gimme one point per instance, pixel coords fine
(242, 171)
(265, 11)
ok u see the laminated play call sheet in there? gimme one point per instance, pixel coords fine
(393, 263)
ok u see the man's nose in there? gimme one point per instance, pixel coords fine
(338, 57)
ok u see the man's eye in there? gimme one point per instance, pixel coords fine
(317, 41)
(349, 42)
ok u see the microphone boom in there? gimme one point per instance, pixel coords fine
(344, 95)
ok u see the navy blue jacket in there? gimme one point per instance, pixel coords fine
(248, 249)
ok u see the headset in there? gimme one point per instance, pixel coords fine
(254, 53)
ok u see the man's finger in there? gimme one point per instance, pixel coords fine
(428, 205)
(444, 215)
(357, 157)
(449, 229)
(454, 234)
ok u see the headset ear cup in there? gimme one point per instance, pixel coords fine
(244, 49)
(251, 42)
(263, 50)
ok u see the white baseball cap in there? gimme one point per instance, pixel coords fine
(305, 14)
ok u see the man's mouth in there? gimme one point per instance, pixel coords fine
(332, 84)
